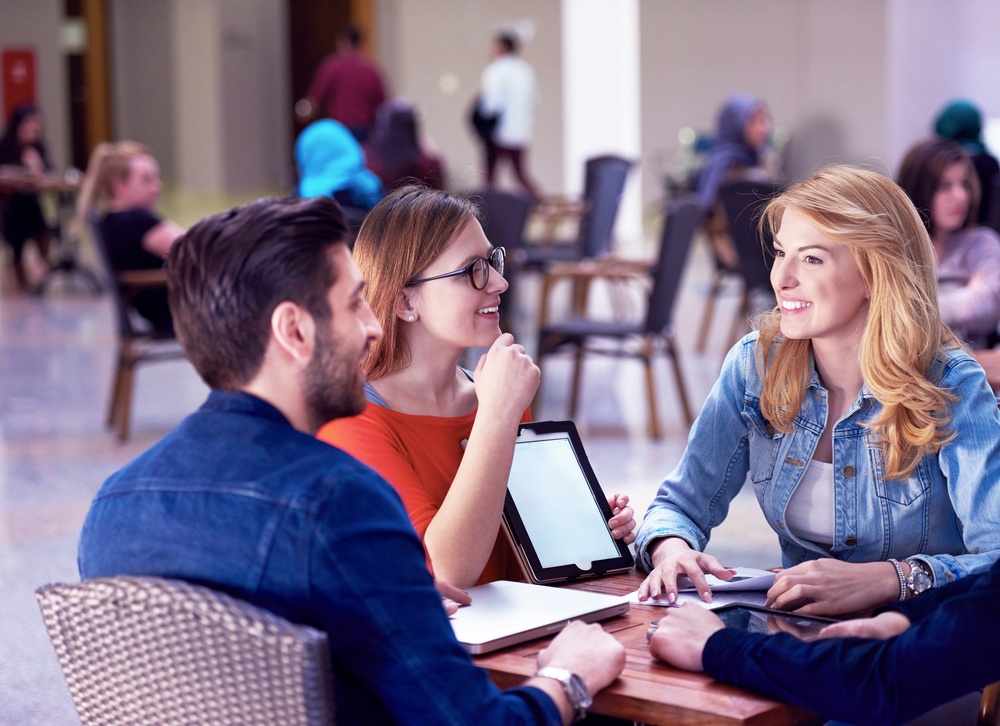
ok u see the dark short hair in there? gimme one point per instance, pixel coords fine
(508, 41)
(229, 272)
(921, 171)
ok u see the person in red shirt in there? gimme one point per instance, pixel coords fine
(441, 434)
(347, 87)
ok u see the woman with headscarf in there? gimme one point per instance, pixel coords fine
(739, 151)
(961, 122)
(331, 163)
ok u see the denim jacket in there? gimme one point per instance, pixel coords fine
(237, 499)
(947, 511)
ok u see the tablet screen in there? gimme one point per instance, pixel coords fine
(557, 506)
(767, 621)
(555, 511)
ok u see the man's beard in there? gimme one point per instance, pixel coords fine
(332, 387)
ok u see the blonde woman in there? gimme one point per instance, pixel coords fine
(123, 184)
(442, 435)
(871, 440)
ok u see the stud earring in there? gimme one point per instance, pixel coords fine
(410, 318)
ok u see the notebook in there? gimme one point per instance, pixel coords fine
(506, 613)
(555, 512)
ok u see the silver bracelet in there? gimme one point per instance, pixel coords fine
(902, 580)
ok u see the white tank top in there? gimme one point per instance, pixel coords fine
(809, 514)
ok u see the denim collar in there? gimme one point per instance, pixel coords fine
(242, 402)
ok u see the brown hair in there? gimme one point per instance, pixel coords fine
(229, 272)
(402, 235)
(903, 337)
(921, 171)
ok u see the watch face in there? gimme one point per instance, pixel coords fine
(919, 580)
(580, 693)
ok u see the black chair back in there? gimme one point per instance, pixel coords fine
(504, 216)
(743, 202)
(683, 215)
(604, 182)
(127, 322)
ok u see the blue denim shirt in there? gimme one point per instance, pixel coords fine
(948, 511)
(237, 499)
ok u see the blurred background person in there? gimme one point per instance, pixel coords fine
(395, 151)
(961, 122)
(940, 179)
(347, 88)
(123, 184)
(508, 92)
(331, 163)
(22, 147)
(739, 151)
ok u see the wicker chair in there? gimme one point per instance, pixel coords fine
(145, 650)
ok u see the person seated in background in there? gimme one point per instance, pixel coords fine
(739, 151)
(443, 435)
(911, 657)
(331, 163)
(123, 182)
(22, 147)
(939, 178)
(870, 437)
(394, 151)
(961, 122)
(242, 497)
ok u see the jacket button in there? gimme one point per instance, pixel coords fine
(851, 541)
(849, 471)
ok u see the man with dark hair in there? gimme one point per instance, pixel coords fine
(347, 87)
(242, 497)
(508, 94)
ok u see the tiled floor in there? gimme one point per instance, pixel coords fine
(56, 357)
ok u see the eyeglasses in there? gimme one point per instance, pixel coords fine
(478, 270)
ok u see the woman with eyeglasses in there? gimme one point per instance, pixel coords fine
(442, 435)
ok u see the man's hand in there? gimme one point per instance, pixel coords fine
(588, 651)
(880, 627)
(681, 634)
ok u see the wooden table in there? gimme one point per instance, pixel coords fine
(649, 691)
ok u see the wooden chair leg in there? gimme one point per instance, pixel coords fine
(116, 392)
(125, 401)
(706, 317)
(671, 344)
(654, 417)
(574, 396)
(740, 322)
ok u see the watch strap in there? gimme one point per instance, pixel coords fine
(573, 686)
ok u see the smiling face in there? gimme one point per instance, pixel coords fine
(451, 310)
(950, 204)
(819, 288)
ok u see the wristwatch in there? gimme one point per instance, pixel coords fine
(919, 578)
(576, 690)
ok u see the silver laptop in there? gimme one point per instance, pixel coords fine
(506, 613)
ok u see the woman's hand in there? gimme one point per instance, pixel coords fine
(506, 379)
(451, 596)
(832, 587)
(622, 524)
(673, 557)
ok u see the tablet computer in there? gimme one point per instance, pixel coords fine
(758, 619)
(555, 512)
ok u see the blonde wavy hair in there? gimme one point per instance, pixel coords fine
(903, 337)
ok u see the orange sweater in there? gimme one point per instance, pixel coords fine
(419, 456)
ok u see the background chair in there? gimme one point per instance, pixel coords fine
(682, 218)
(743, 202)
(138, 341)
(594, 217)
(505, 215)
(145, 650)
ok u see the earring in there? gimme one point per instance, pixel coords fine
(411, 318)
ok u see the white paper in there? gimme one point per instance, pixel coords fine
(748, 585)
(747, 597)
(746, 578)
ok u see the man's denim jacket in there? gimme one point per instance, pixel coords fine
(948, 511)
